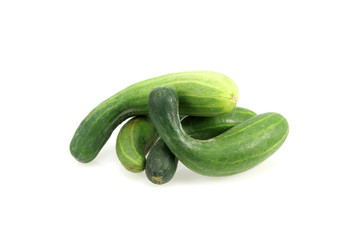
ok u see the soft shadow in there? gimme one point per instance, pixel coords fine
(184, 175)
(134, 177)
(105, 156)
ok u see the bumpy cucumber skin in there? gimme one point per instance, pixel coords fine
(134, 141)
(201, 93)
(236, 150)
(161, 162)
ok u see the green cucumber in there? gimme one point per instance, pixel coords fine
(161, 162)
(201, 93)
(236, 150)
(134, 141)
(208, 127)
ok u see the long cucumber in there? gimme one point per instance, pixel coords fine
(201, 93)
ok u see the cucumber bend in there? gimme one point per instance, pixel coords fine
(161, 162)
(139, 134)
(238, 149)
(134, 141)
(201, 93)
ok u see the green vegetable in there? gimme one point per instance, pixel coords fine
(134, 141)
(161, 162)
(238, 149)
(201, 93)
(208, 127)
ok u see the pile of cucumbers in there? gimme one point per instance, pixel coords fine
(187, 116)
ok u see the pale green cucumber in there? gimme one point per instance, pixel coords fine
(134, 141)
(201, 93)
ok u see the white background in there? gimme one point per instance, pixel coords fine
(59, 59)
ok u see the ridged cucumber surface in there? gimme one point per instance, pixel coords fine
(236, 150)
(201, 93)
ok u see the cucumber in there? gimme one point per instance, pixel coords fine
(236, 150)
(161, 162)
(134, 141)
(208, 127)
(201, 93)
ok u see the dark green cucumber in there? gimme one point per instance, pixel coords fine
(201, 93)
(134, 141)
(236, 150)
(161, 162)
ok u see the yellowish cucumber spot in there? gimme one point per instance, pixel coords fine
(157, 179)
(234, 99)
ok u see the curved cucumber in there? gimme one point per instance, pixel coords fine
(161, 162)
(201, 93)
(238, 149)
(134, 141)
